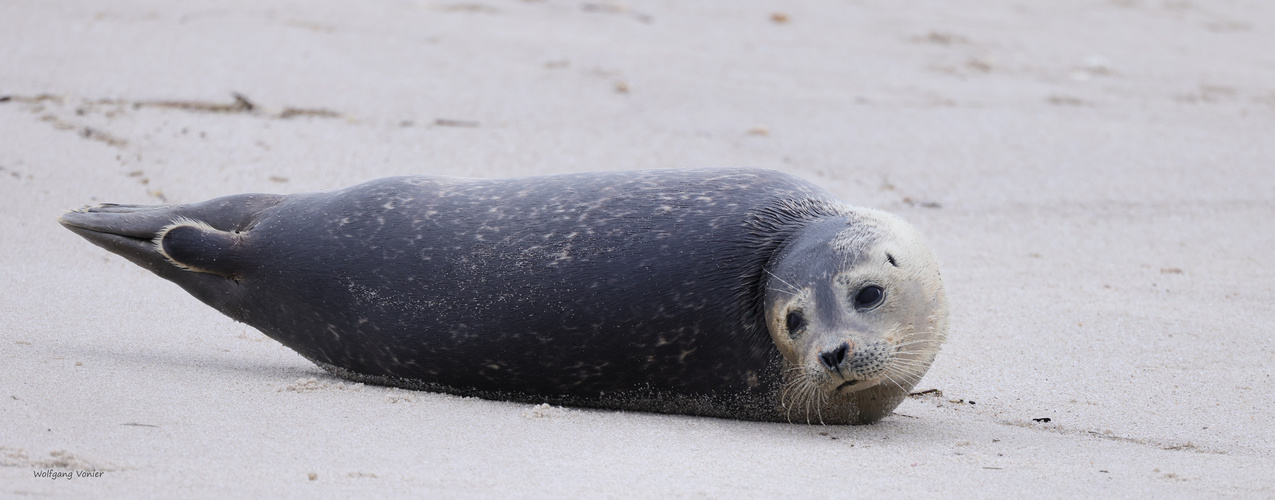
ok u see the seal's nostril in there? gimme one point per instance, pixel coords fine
(833, 359)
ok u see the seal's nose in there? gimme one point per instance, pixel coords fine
(833, 359)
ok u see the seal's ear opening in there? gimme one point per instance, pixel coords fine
(196, 246)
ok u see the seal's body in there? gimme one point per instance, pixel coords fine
(655, 290)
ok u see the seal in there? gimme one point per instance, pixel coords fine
(735, 293)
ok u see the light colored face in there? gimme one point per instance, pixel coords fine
(855, 303)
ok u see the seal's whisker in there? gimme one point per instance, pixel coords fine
(918, 339)
(909, 362)
(912, 369)
(789, 387)
(806, 401)
(898, 385)
(919, 364)
(912, 332)
(902, 355)
(811, 396)
(791, 288)
(908, 376)
(891, 380)
(904, 371)
(907, 342)
(916, 371)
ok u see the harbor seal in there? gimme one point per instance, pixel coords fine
(736, 293)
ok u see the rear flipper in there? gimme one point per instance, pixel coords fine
(198, 246)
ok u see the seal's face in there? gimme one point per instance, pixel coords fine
(857, 309)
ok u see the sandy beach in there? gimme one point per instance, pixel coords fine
(1096, 177)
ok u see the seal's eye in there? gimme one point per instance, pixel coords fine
(795, 322)
(869, 297)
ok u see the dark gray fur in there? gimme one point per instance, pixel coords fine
(632, 290)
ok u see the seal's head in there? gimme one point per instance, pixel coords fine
(856, 306)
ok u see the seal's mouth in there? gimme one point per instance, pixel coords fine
(847, 384)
